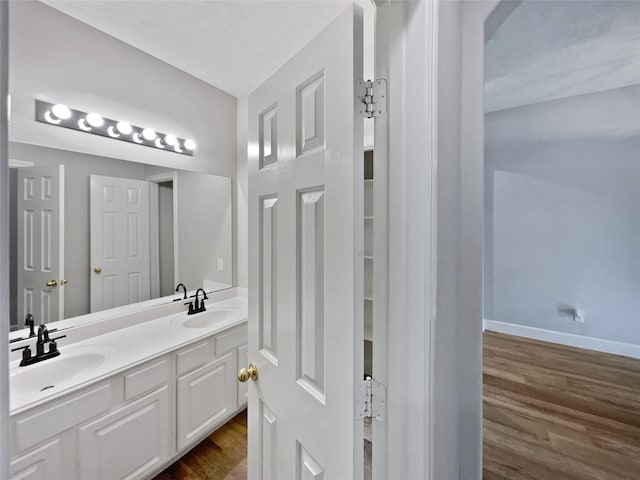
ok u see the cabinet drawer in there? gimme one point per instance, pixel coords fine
(45, 463)
(193, 357)
(33, 429)
(231, 339)
(146, 378)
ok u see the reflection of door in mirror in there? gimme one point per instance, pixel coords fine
(119, 218)
(40, 250)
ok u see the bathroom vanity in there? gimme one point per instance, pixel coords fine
(130, 401)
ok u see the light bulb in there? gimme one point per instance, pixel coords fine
(124, 128)
(51, 119)
(170, 139)
(95, 120)
(189, 144)
(148, 134)
(61, 111)
(82, 123)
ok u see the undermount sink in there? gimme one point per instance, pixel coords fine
(207, 319)
(56, 372)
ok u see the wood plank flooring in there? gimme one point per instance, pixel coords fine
(555, 412)
(221, 456)
(550, 413)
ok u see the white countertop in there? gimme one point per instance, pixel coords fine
(122, 349)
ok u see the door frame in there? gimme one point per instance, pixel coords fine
(471, 197)
(405, 166)
(4, 239)
(429, 236)
(153, 227)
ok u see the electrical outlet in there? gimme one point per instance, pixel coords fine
(220, 264)
(579, 316)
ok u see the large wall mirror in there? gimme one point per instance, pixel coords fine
(96, 223)
(91, 233)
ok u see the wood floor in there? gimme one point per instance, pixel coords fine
(559, 413)
(221, 456)
(550, 413)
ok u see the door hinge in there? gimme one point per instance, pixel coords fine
(372, 399)
(371, 98)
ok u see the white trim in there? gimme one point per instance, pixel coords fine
(380, 367)
(61, 239)
(154, 240)
(13, 163)
(4, 240)
(405, 159)
(471, 221)
(172, 177)
(569, 339)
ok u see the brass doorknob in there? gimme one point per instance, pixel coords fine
(97, 269)
(251, 372)
(52, 283)
(64, 281)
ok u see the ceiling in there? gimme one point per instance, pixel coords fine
(232, 45)
(551, 50)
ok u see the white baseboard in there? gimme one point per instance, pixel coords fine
(589, 343)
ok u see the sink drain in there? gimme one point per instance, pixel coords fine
(46, 388)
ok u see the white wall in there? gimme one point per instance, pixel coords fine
(562, 208)
(61, 60)
(204, 220)
(242, 193)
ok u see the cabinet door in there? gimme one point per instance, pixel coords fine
(41, 464)
(128, 443)
(243, 388)
(206, 397)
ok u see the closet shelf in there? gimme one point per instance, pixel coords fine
(368, 257)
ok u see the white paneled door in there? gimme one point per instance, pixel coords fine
(119, 226)
(41, 243)
(306, 262)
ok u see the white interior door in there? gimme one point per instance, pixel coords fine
(306, 262)
(41, 243)
(119, 227)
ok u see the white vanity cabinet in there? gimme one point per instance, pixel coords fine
(206, 384)
(119, 428)
(206, 397)
(133, 424)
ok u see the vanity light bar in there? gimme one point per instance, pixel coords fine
(63, 116)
